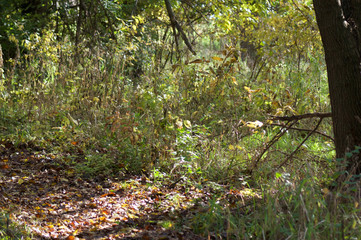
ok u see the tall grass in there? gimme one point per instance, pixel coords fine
(287, 208)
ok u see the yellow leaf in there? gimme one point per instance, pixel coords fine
(194, 114)
(249, 90)
(217, 58)
(239, 147)
(288, 107)
(279, 111)
(130, 215)
(20, 181)
(234, 81)
(187, 124)
(233, 60)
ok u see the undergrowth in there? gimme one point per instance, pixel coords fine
(186, 121)
(10, 230)
(286, 208)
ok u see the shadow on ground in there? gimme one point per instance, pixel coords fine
(47, 196)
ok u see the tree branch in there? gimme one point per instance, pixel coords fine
(302, 116)
(291, 120)
(298, 147)
(281, 132)
(304, 130)
(175, 24)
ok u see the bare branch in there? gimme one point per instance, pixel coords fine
(303, 116)
(273, 141)
(304, 130)
(291, 120)
(175, 24)
(298, 147)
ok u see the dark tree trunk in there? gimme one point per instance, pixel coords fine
(79, 22)
(339, 23)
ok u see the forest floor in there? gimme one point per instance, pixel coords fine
(42, 192)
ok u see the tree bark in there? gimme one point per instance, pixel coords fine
(339, 22)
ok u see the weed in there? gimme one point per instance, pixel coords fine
(10, 230)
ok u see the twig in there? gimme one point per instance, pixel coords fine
(273, 141)
(186, 2)
(302, 116)
(293, 120)
(305, 130)
(172, 185)
(299, 146)
(303, 13)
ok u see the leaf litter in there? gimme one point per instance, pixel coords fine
(55, 203)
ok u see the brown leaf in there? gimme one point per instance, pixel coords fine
(197, 61)
(4, 166)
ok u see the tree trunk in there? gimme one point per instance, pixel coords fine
(339, 23)
(1, 63)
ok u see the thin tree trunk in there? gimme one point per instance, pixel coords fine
(79, 22)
